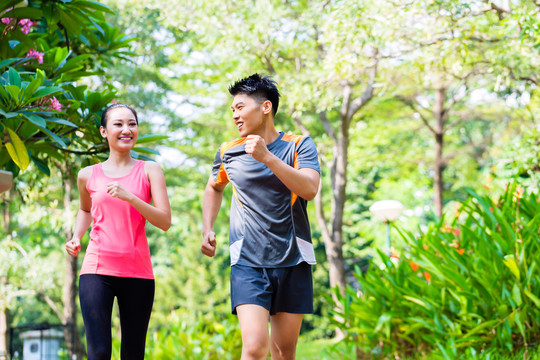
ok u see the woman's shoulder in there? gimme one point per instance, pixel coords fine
(85, 173)
(152, 168)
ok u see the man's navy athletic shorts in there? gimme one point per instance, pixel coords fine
(288, 289)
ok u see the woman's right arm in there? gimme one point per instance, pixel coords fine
(84, 219)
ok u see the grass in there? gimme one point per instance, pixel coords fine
(315, 349)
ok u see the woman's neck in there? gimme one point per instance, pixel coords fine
(119, 159)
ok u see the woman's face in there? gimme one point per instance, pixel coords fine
(121, 129)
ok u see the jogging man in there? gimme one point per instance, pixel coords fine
(273, 175)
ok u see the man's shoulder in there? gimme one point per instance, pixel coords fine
(231, 144)
(301, 141)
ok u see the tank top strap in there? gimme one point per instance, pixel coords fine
(139, 168)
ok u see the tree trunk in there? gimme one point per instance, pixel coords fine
(334, 249)
(439, 113)
(71, 334)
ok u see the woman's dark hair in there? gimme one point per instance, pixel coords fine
(261, 88)
(115, 106)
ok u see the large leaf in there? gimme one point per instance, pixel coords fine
(46, 91)
(14, 77)
(41, 165)
(35, 119)
(24, 12)
(151, 138)
(16, 149)
(7, 62)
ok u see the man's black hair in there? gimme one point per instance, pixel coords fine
(262, 88)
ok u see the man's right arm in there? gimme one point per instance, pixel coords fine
(213, 195)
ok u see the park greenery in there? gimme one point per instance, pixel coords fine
(434, 103)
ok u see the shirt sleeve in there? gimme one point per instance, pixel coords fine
(307, 154)
(219, 175)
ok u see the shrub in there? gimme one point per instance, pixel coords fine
(470, 287)
(204, 339)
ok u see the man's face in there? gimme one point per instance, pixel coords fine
(247, 115)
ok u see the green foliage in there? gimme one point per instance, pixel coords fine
(42, 109)
(464, 288)
(520, 160)
(202, 339)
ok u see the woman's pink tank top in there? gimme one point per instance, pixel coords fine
(118, 244)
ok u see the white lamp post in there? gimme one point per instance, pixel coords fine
(386, 211)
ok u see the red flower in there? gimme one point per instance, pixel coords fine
(460, 251)
(414, 266)
(427, 276)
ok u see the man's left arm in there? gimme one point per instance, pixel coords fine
(303, 182)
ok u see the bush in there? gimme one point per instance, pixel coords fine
(468, 288)
(203, 339)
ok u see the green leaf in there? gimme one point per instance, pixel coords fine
(41, 165)
(151, 138)
(17, 150)
(61, 121)
(14, 93)
(55, 137)
(7, 62)
(417, 301)
(36, 82)
(510, 261)
(50, 90)
(60, 58)
(8, 115)
(14, 77)
(486, 324)
(516, 295)
(533, 297)
(146, 150)
(35, 119)
(24, 12)
(95, 6)
(69, 22)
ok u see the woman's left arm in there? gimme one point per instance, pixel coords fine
(159, 214)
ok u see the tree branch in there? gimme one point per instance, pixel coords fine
(301, 126)
(367, 95)
(327, 126)
(80, 152)
(412, 105)
(52, 305)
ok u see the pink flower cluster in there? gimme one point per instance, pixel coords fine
(25, 24)
(55, 104)
(33, 53)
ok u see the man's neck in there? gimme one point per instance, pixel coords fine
(269, 132)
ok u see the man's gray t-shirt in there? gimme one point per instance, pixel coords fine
(269, 225)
